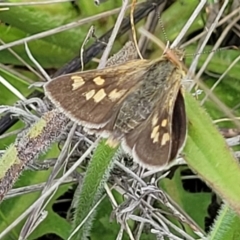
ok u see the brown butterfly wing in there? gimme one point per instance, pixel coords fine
(157, 146)
(92, 97)
(150, 146)
(157, 140)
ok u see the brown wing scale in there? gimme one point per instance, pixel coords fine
(156, 141)
(91, 98)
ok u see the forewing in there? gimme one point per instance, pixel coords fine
(91, 98)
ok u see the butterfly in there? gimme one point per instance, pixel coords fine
(139, 103)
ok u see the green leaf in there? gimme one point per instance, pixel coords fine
(54, 223)
(92, 187)
(207, 153)
(186, 200)
(226, 225)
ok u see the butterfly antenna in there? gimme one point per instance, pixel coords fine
(207, 52)
(167, 47)
(163, 29)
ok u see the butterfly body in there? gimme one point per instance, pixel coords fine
(140, 103)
